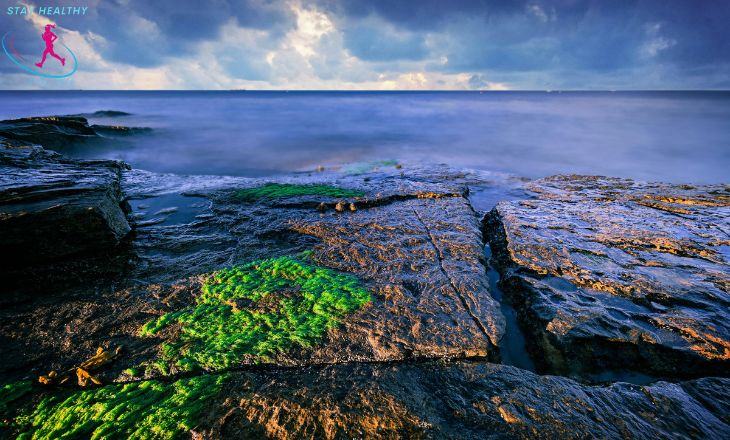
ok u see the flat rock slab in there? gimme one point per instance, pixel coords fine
(422, 258)
(415, 244)
(611, 273)
(52, 207)
(459, 400)
(462, 400)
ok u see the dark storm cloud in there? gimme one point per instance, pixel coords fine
(145, 33)
(177, 25)
(593, 35)
(560, 41)
(424, 14)
(373, 43)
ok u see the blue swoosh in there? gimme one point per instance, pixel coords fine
(35, 72)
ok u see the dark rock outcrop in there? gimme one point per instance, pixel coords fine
(52, 207)
(611, 273)
(59, 132)
(49, 131)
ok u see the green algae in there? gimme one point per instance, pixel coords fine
(283, 190)
(257, 310)
(141, 410)
(12, 392)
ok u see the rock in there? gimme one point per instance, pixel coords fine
(423, 260)
(49, 131)
(462, 401)
(459, 400)
(415, 245)
(103, 114)
(413, 362)
(53, 208)
(611, 273)
(59, 132)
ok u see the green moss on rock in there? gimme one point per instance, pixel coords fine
(282, 190)
(139, 410)
(12, 392)
(9, 393)
(257, 310)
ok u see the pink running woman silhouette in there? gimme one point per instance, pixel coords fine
(49, 37)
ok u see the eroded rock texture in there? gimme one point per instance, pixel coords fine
(461, 400)
(419, 252)
(59, 132)
(415, 245)
(52, 207)
(605, 274)
(611, 273)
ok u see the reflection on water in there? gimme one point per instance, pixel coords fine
(167, 210)
(669, 136)
(512, 347)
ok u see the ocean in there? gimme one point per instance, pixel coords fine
(652, 136)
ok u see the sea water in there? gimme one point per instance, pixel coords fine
(654, 136)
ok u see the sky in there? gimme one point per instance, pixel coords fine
(380, 44)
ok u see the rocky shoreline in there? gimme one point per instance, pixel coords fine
(355, 303)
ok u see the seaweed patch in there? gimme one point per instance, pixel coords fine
(255, 311)
(283, 190)
(11, 392)
(142, 410)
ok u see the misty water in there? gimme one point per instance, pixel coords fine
(666, 136)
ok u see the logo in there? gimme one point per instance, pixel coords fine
(66, 60)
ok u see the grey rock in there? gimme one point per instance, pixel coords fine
(52, 208)
(611, 273)
(60, 132)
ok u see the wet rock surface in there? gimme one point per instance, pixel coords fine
(611, 273)
(461, 400)
(414, 244)
(54, 209)
(60, 132)
(413, 355)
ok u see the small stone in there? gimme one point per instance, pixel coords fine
(340, 207)
(353, 208)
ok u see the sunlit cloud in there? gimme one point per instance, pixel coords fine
(346, 44)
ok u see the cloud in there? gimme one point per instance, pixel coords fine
(374, 40)
(382, 44)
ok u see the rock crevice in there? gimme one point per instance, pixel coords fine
(603, 282)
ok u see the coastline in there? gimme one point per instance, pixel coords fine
(608, 278)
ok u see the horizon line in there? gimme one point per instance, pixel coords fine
(373, 90)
